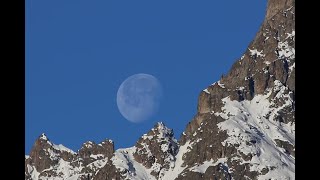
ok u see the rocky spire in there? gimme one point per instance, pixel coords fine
(40, 153)
(157, 149)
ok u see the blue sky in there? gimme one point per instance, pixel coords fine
(78, 52)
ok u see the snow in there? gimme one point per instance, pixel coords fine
(206, 90)
(164, 147)
(245, 122)
(220, 84)
(88, 144)
(292, 67)
(241, 88)
(75, 177)
(156, 166)
(285, 51)
(289, 8)
(96, 156)
(145, 136)
(204, 166)
(267, 62)
(255, 52)
(104, 142)
(33, 172)
(60, 147)
(98, 163)
(291, 35)
(195, 133)
(43, 136)
(125, 162)
(64, 168)
(247, 78)
(52, 154)
(177, 168)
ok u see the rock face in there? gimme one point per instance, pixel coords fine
(244, 127)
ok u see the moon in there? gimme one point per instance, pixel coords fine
(138, 97)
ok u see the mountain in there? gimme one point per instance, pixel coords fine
(244, 127)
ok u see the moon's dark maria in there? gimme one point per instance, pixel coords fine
(138, 97)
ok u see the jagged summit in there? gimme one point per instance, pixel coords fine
(244, 127)
(160, 130)
(43, 136)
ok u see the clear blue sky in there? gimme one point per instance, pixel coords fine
(78, 52)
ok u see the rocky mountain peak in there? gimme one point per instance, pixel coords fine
(88, 145)
(90, 151)
(43, 136)
(42, 142)
(161, 131)
(157, 149)
(44, 155)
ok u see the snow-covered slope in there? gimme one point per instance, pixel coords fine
(246, 122)
(124, 161)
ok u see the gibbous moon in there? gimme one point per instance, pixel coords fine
(138, 97)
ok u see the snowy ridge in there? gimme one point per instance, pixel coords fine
(60, 147)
